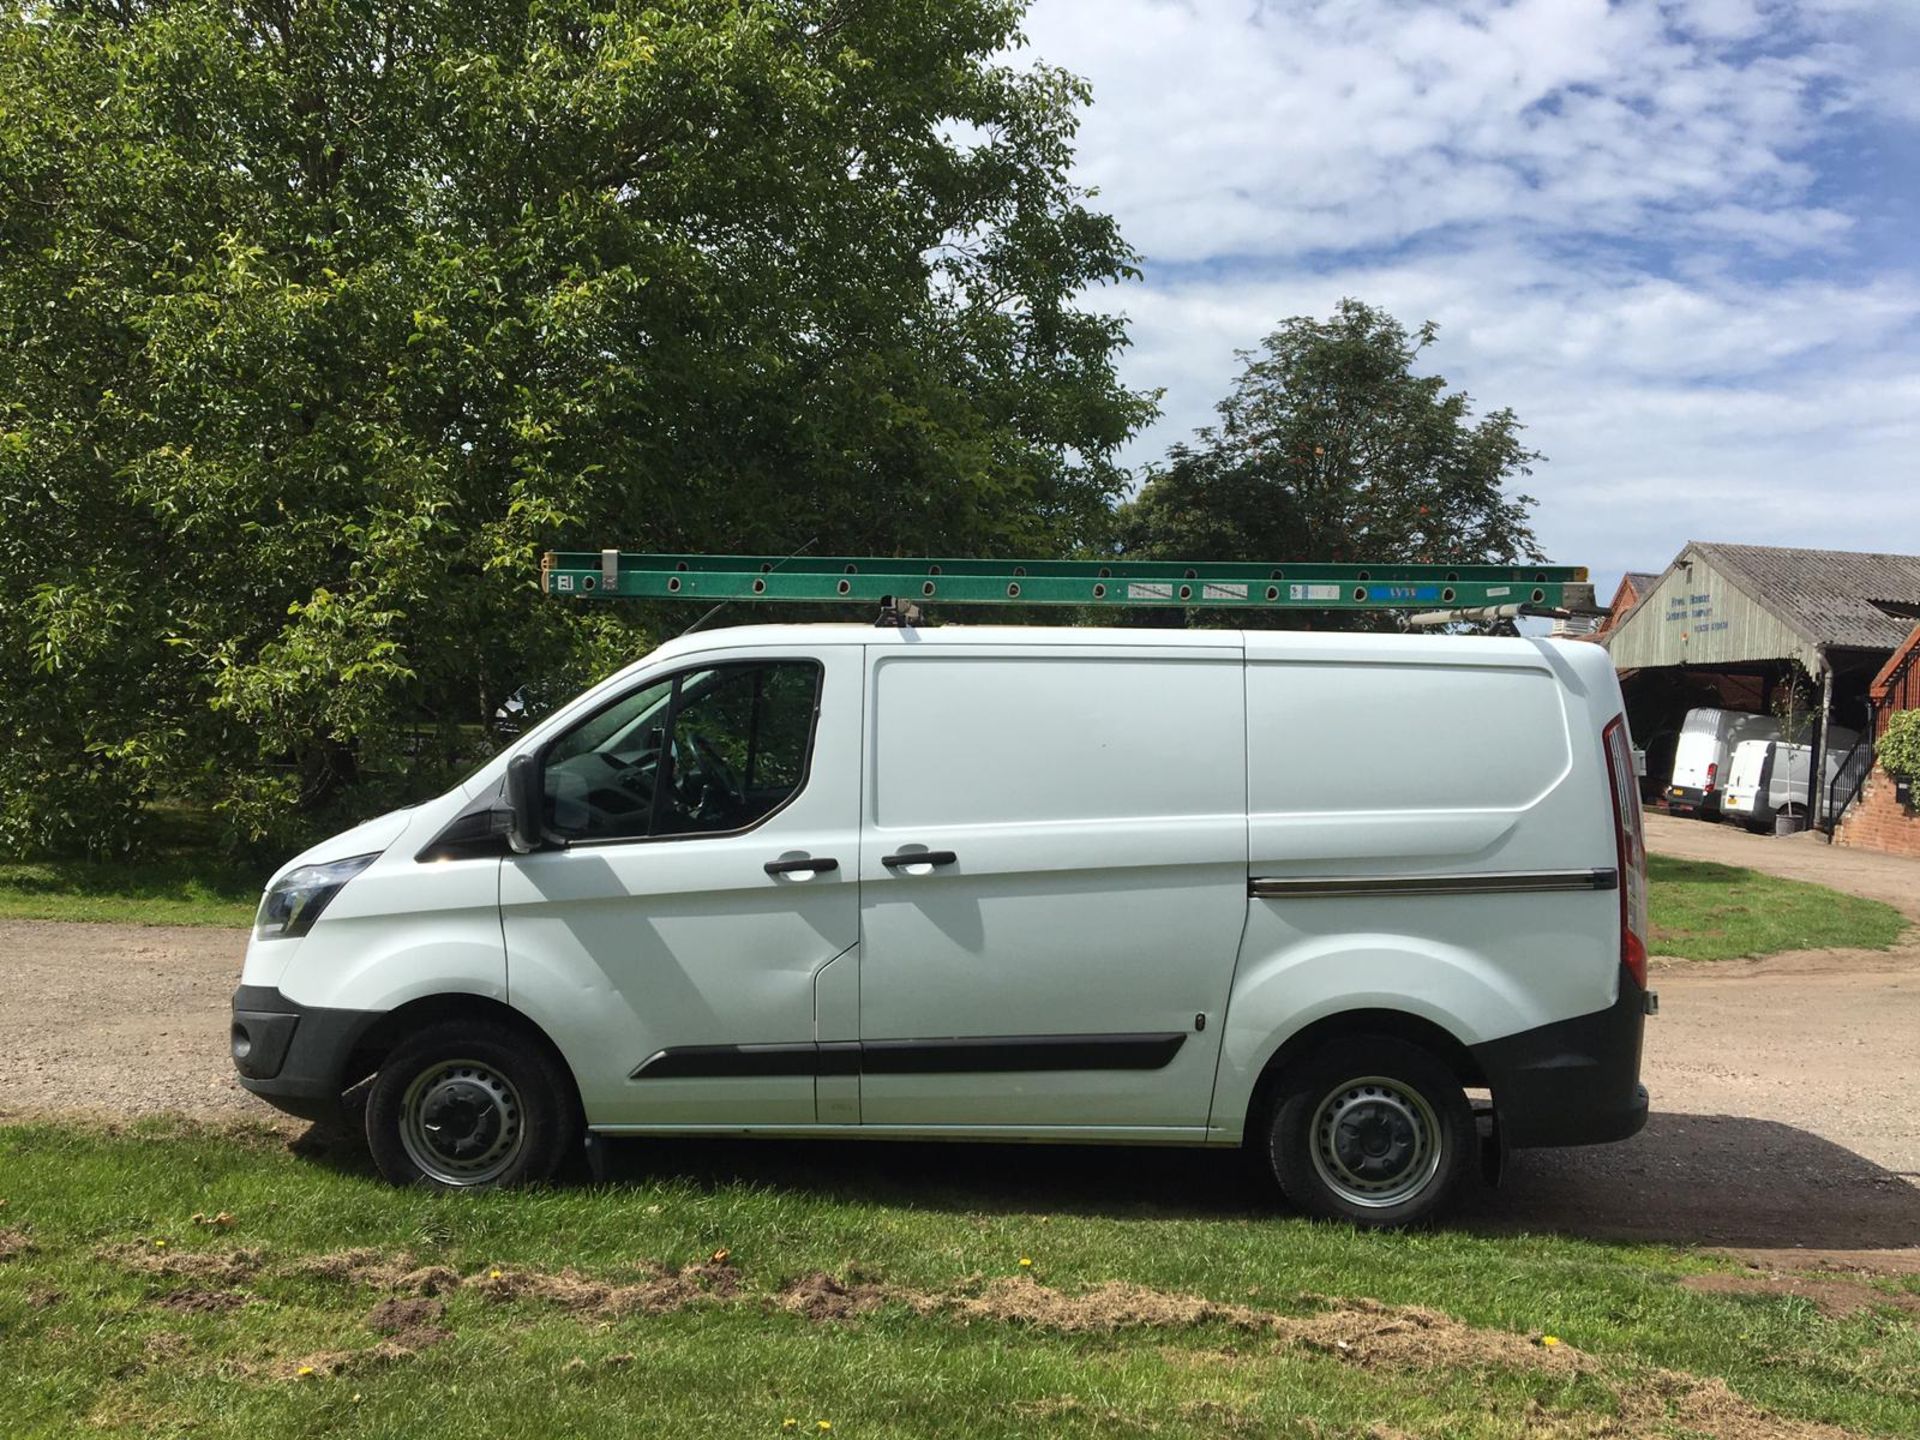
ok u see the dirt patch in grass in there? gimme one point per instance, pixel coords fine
(325, 1364)
(1709, 1408)
(818, 1296)
(1833, 1296)
(666, 1289)
(412, 1323)
(13, 1243)
(1360, 1332)
(1112, 1306)
(1836, 1262)
(392, 1317)
(222, 1267)
(374, 1271)
(192, 1300)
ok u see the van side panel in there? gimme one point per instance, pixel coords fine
(1474, 768)
(1068, 961)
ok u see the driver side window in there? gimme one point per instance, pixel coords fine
(708, 751)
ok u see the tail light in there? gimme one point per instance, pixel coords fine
(1713, 772)
(1631, 847)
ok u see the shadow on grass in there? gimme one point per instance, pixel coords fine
(1667, 869)
(1684, 1180)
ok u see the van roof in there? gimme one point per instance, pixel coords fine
(1500, 651)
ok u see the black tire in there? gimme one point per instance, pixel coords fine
(1400, 1101)
(471, 1105)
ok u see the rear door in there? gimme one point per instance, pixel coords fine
(1062, 954)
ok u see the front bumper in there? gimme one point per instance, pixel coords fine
(1573, 1082)
(294, 1056)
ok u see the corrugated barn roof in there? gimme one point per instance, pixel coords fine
(1850, 598)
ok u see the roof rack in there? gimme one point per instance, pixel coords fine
(815, 579)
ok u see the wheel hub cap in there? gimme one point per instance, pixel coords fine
(460, 1123)
(1376, 1142)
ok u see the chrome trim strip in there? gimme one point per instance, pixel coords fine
(1491, 882)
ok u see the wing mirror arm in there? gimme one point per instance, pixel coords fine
(525, 801)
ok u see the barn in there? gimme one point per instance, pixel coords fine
(1801, 633)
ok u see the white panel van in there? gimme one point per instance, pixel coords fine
(1704, 753)
(1291, 891)
(1768, 778)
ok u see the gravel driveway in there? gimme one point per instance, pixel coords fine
(1783, 1088)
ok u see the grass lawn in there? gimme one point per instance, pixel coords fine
(169, 891)
(169, 1280)
(1703, 911)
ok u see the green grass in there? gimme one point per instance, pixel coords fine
(87, 1346)
(169, 891)
(1703, 911)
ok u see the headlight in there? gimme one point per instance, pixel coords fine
(298, 897)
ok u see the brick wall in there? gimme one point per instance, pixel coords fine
(1880, 822)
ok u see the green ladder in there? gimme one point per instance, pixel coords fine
(815, 579)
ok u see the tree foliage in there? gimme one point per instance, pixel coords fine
(320, 319)
(1331, 448)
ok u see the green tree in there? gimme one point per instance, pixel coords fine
(1331, 448)
(320, 319)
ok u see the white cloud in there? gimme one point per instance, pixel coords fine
(1286, 128)
(1618, 210)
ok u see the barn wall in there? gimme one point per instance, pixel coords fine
(1878, 821)
(1695, 615)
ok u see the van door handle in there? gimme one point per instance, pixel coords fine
(919, 857)
(789, 867)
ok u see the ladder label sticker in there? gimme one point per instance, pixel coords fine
(563, 582)
(1497, 590)
(1410, 592)
(1139, 590)
(1313, 592)
(1214, 590)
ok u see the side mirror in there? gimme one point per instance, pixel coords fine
(525, 801)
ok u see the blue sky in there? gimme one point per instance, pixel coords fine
(1680, 238)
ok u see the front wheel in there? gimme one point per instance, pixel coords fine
(470, 1105)
(1374, 1131)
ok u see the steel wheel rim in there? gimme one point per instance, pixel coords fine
(1376, 1142)
(461, 1123)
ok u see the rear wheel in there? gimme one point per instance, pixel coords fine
(470, 1105)
(1372, 1130)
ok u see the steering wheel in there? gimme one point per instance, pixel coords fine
(715, 778)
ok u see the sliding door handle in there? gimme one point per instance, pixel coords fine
(789, 867)
(918, 857)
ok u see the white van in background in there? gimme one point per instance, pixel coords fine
(1704, 754)
(1768, 778)
(1298, 892)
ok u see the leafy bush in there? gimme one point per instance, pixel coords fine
(1900, 746)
